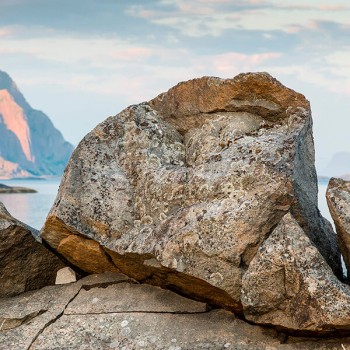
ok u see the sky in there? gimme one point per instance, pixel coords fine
(81, 61)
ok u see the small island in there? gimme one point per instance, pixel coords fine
(15, 189)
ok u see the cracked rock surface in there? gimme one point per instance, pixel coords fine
(338, 199)
(112, 311)
(25, 264)
(181, 191)
(289, 285)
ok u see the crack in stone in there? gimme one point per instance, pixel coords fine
(82, 287)
(11, 323)
(140, 312)
(106, 284)
(50, 322)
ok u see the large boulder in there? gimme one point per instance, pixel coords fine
(111, 311)
(289, 285)
(182, 191)
(25, 264)
(338, 200)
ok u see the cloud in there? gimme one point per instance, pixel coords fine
(5, 32)
(201, 18)
(306, 7)
(230, 64)
(98, 51)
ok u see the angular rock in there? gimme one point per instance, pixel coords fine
(110, 311)
(289, 285)
(25, 264)
(182, 191)
(65, 275)
(338, 200)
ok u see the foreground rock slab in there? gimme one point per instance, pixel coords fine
(25, 264)
(289, 285)
(182, 191)
(112, 311)
(338, 199)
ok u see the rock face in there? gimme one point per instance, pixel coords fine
(29, 143)
(25, 264)
(289, 285)
(338, 199)
(112, 311)
(182, 191)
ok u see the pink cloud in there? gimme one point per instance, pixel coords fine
(132, 53)
(306, 7)
(232, 63)
(4, 32)
(147, 14)
(333, 8)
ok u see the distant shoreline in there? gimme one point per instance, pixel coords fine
(15, 189)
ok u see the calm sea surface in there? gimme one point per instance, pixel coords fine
(322, 203)
(32, 208)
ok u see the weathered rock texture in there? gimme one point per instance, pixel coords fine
(111, 311)
(289, 285)
(338, 199)
(183, 190)
(25, 264)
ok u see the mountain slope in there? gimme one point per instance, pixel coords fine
(30, 145)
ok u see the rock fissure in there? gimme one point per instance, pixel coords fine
(53, 320)
(136, 312)
(11, 323)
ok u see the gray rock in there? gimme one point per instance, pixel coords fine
(182, 191)
(338, 199)
(24, 317)
(289, 285)
(25, 264)
(105, 312)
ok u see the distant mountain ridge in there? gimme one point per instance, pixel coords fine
(30, 145)
(338, 166)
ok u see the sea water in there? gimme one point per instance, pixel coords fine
(322, 202)
(32, 208)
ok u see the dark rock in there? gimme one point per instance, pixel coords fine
(25, 264)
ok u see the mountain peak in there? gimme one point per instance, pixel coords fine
(29, 143)
(6, 83)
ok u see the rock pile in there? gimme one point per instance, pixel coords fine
(182, 192)
(210, 191)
